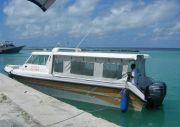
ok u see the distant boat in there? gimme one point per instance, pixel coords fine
(9, 47)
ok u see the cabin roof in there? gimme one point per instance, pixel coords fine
(95, 55)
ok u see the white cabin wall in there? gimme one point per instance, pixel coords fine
(67, 66)
(49, 64)
(98, 69)
(124, 67)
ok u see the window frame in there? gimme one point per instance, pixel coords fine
(91, 73)
(34, 55)
(118, 74)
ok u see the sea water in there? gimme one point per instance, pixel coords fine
(162, 66)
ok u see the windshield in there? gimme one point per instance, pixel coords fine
(38, 59)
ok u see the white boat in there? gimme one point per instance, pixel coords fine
(95, 76)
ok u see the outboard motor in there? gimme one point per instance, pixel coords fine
(155, 94)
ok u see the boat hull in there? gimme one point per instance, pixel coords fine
(11, 50)
(93, 94)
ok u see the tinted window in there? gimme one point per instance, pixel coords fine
(112, 70)
(57, 64)
(38, 59)
(82, 68)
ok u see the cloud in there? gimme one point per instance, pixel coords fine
(79, 17)
(82, 7)
(131, 15)
(28, 20)
(170, 32)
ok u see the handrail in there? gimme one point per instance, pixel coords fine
(66, 49)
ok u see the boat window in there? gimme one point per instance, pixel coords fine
(112, 70)
(57, 64)
(82, 68)
(38, 59)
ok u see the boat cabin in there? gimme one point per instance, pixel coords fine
(74, 62)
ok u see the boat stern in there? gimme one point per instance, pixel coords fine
(155, 94)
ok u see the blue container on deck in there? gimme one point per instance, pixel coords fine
(124, 100)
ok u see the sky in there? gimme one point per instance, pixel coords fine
(92, 23)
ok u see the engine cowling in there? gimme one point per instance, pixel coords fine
(155, 94)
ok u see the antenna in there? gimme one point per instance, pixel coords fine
(83, 39)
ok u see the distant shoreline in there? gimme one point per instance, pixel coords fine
(111, 49)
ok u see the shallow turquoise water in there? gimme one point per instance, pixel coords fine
(163, 66)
